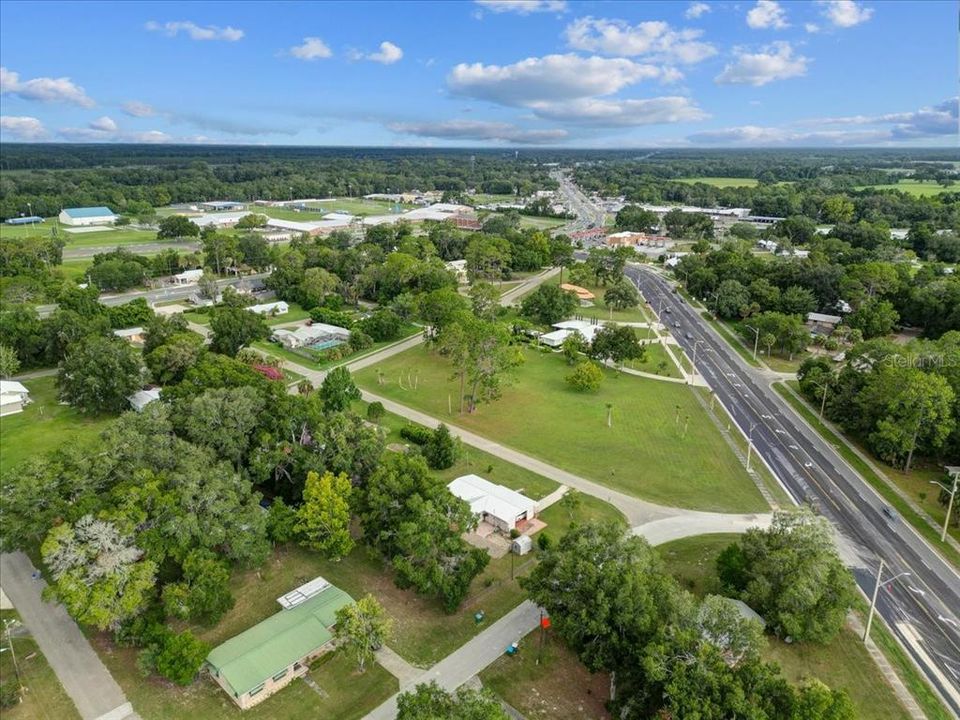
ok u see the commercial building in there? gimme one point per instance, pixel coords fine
(221, 205)
(28, 220)
(566, 328)
(80, 217)
(497, 505)
(258, 662)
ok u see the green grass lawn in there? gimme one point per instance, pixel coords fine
(844, 663)
(44, 697)
(360, 207)
(655, 360)
(720, 182)
(44, 425)
(642, 453)
(559, 687)
(295, 314)
(913, 484)
(914, 187)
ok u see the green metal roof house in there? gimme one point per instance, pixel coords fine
(261, 660)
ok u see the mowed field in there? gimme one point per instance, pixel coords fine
(720, 182)
(644, 453)
(110, 237)
(914, 187)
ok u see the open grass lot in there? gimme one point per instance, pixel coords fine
(558, 688)
(110, 237)
(43, 426)
(655, 360)
(720, 182)
(914, 187)
(842, 664)
(642, 453)
(350, 694)
(44, 697)
(913, 484)
(359, 206)
(541, 223)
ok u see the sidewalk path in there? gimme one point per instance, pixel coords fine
(472, 657)
(86, 680)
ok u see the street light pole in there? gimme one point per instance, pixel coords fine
(698, 342)
(955, 473)
(873, 602)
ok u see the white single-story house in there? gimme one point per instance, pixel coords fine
(13, 397)
(131, 334)
(274, 308)
(141, 398)
(821, 324)
(566, 328)
(188, 277)
(87, 216)
(267, 657)
(500, 506)
(458, 268)
(311, 335)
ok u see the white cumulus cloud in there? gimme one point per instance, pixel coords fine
(43, 89)
(135, 108)
(523, 7)
(388, 53)
(767, 14)
(194, 31)
(774, 62)
(603, 112)
(21, 127)
(845, 13)
(104, 124)
(479, 130)
(548, 78)
(696, 10)
(312, 48)
(653, 38)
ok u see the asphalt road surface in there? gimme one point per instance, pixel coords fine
(920, 594)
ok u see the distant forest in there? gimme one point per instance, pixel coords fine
(52, 176)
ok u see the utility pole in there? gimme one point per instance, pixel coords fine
(823, 400)
(750, 445)
(756, 340)
(873, 602)
(8, 626)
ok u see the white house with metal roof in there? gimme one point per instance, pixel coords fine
(497, 505)
(87, 216)
(13, 397)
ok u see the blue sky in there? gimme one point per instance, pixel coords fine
(482, 73)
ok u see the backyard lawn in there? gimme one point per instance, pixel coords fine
(44, 425)
(295, 314)
(644, 453)
(558, 688)
(844, 663)
(44, 696)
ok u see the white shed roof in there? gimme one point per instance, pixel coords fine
(141, 398)
(12, 387)
(484, 496)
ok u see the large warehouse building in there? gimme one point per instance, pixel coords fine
(87, 216)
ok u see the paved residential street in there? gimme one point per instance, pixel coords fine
(85, 679)
(472, 657)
